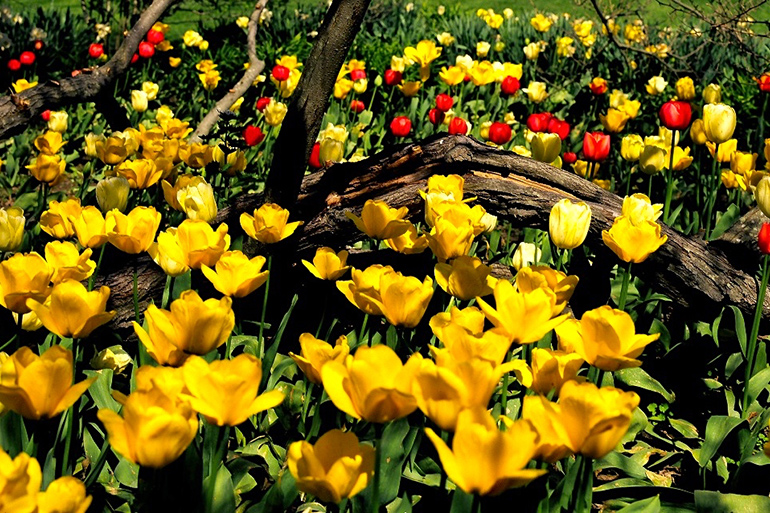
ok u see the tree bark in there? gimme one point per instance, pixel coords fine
(310, 100)
(697, 276)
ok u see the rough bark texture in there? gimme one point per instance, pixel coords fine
(697, 276)
(16, 110)
(310, 100)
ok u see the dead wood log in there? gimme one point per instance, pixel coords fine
(697, 276)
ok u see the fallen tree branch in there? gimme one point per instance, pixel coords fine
(256, 65)
(17, 110)
(697, 276)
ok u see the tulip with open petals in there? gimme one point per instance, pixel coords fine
(403, 299)
(551, 369)
(462, 333)
(64, 495)
(269, 224)
(89, 227)
(67, 262)
(316, 353)
(236, 275)
(22, 277)
(363, 289)
(328, 264)
(21, 479)
(72, 311)
(633, 242)
(530, 278)
(132, 233)
(56, 220)
(465, 277)
(380, 221)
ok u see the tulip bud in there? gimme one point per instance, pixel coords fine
(401, 126)
(762, 195)
(712, 94)
(139, 100)
(652, 159)
(510, 85)
(444, 102)
(58, 121)
(11, 228)
(698, 132)
(569, 157)
(458, 126)
(656, 85)
(526, 254)
(500, 133)
(27, 58)
(146, 50)
(151, 90)
(546, 147)
(719, 122)
(596, 146)
(631, 147)
(568, 223)
(96, 50)
(685, 88)
(764, 239)
(112, 193)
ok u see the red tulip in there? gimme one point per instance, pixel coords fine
(499, 133)
(444, 102)
(569, 157)
(27, 58)
(436, 116)
(262, 103)
(458, 126)
(676, 115)
(764, 239)
(96, 50)
(596, 146)
(357, 74)
(46, 115)
(146, 50)
(14, 64)
(253, 135)
(598, 86)
(401, 126)
(281, 73)
(539, 122)
(357, 106)
(38, 45)
(510, 85)
(764, 82)
(315, 157)
(392, 77)
(559, 127)
(155, 36)
(134, 58)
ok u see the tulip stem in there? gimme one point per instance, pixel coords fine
(712, 190)
(476, 505)
(92, 278)
(377, 470)
(624, 287)
(669, 181)
(264, 308)
(166, 290)
(363, 330)
(752, 347)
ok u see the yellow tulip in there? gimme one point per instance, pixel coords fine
(606, 338)
(712, 93)
(536, 91)
(155, 429)
(140, 173)
(743, 163)
(482, 73)
(380, 221)
(698, 132)
(545, 147)
(423, 54)
(275, 112)
(58, 121)
(465, 278)
(639, 209)
(449, 185)
(315, 353)
(22, 85)
(72, 311)
(132, 233)
(49, 143)
(685, 89)
(66, 494)
(532, 277)
(568, 223)
(114, 357)
(485, 460)
(551, 369)
(236, 275)
(170, 193)
(532, 51)
(115, 149)
(451, 236)
(210, 79)
(150, 89)
(23, 277)
(168, 253)
(526, 254)
(719, 122)
(55, 221)
(335, 468)
(682, 159)
(196, 155)
(328, 265)
(202, 244)
(372, 385)
(21, 478)
(139, 100)
(47, 168)
(541, 23)
(198, 201)
(761, 195)
(633, 242)
(462, 333)
(38, 387)
(269, 224)
(409, 242)
(652, 159)
(89, 227)
(524, 316)
(175, 128)
(403, 299)
(363, 289)
(725, 151)
(67, 263)
(12, 222)
(226, 392)
(191, 326)
(452, 75)
(615, 120)
(656, 85)
(112, 193)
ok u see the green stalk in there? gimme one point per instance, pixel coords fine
(713, 182)
(670, 181)
(762, 121)
(476, 505)
(96, 269)
(223, 435)
(624, 287)
(166, 291)
(264, 308)
(363, 329)
(377, 462)
(752, 348)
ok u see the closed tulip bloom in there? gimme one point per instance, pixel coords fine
(139, 100)
(47, 168)
(652, 159)
(451, 237)
(49, 143)
(633, 242)
(64, 495)
(112, 193)
(761, 195)
(275, 112)
(89, 227)
(533, 277)
(551, 369)
(11, 228)
(132, 233)
(685, 88)
(767, 154)
(67, 262)
(606, 338)
(226, 392)
(380, 221)
(191, 326)
(154, 429)
(196, 155)
(236, 275)
(404, 299)
(719, 122)
(72, 311)
(327, 264)
(465, 277)
(725, 151)
(596, 146)
(55, 221)
(712, 93)
(22, 277)
(269, 224)
(140, 173)
(656, 85)
(545, 147)
(363, 289)
(536, 91)
(58, 121)
(676, 115)
(525, 316)
(485, 460)
(337, 467)
(38, 387)
(526, 254)
(198, 201)
(568, 223)
(170, 192)
(631, 147)
(201, 244)
(168, 253)
(639, 209)
(114, 149)
(372, 385)
(698, 132)
(316, 353)
(614, 121)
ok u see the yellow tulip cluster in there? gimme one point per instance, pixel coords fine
(635, 234)
(48, 167)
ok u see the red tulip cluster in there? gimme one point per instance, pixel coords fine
(26, 58)
(546, 122)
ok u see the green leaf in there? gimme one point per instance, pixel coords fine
(726, 221)
(707, 501)
(461, 502)
(740, 328)
(392, 459)
(758, 382)
(279, 497)
(651, 505)
(101, 390)
(127, 473)
(624, 463)
(638, 377)
(717, 429)
(686, 429)
(223, 500)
